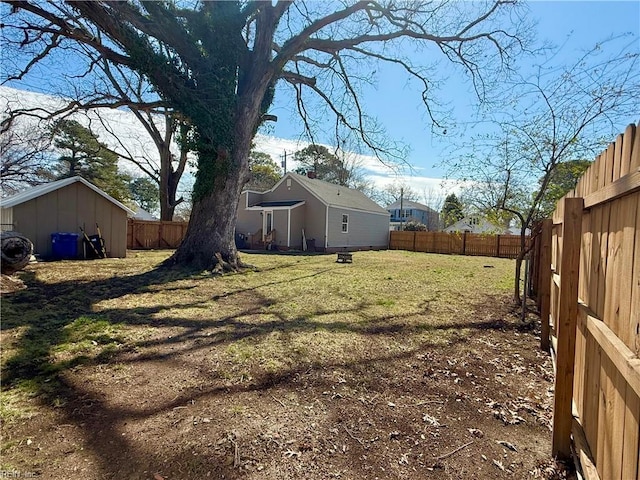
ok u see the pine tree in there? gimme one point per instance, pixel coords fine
(85, 156)
(265, 172)
(325, 165)
(452, 210)
(145, 193)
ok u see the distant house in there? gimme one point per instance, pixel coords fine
(64, 206)
(413, 212)
(301, 213)
(142, 214)
(476, 224)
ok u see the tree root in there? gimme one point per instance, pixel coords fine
(222, 266)
(217, 265)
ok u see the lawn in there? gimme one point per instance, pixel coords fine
(399, 365)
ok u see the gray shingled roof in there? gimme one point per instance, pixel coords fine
(410, 204)
(43, 189)
(338, 196)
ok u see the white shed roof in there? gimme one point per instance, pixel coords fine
(40, 190)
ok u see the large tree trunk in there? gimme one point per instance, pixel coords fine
(209, 243)
(170, 177)
(210, 236)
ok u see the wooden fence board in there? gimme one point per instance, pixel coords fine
(634, 323)
(594, 270)
(627, 144)
(628, 232)
(589, 471)
(544, 291)
(611, 415)
(606, 377)
(581, 366)
(592, 392)
(144, 234)
(566, 326)
(635, 150)
(614, 268)
(503, 246)
(631, 435)
(585, 258)
(617, 158)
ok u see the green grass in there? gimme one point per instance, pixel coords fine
(293, 311)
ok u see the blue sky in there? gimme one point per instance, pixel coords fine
(577, 25)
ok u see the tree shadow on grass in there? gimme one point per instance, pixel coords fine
(56, 315)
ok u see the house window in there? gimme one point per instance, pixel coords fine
(406, 213)
(345, 223)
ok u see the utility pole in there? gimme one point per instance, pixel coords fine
(283, 163)
(401, 206)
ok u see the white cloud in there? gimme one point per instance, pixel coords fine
(124, 126)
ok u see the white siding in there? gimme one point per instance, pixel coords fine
(7, 219)
(249, 221)
(365, 230)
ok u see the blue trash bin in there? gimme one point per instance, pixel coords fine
(64, 245)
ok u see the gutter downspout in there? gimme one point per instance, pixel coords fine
(326, 228)
(288, 228)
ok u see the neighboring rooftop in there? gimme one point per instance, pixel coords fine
(407, 204)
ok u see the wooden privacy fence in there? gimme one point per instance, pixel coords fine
(505, 246)
(589, 295)
(145, 234)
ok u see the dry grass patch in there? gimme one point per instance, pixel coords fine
(141, 359)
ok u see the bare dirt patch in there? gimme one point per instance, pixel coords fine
(399, 365)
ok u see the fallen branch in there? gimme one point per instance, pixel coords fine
(236, 453)
(279, 401)
(352, 436)
(447, 455)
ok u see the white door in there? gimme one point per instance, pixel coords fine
(267, 225)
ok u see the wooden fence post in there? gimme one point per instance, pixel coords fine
(566, 327)
(464, 243)
(544, 278)
(497, 245)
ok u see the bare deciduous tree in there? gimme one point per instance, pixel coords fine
(24, 157)
(218, 64)
(560, 114)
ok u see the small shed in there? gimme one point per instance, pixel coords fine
(64, 206)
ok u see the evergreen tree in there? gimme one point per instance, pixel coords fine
(265, 172)
(145, 193)
(325, 165)
(452, 210)
(85, 156)
(563, 179)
